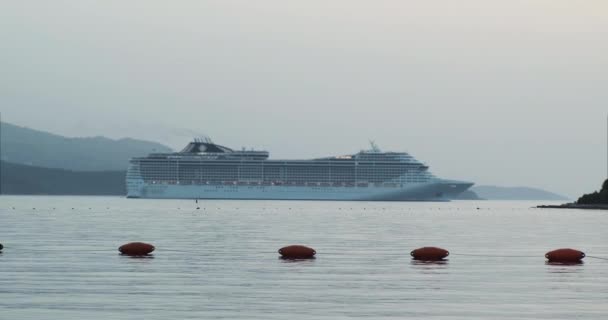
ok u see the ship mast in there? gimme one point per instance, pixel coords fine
(374, 146)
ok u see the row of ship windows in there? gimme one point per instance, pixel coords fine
(280, 177)
(285, 177)
(280, 183)
(220, 180)
(296, 174)
(272, 168)
(278, 166)
(422, 179)
(283, 172)
(288, 176)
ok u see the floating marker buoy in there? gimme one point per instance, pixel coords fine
(429, 254)
(136, 249)
(1, 247)
(565, 255)
(297, 252)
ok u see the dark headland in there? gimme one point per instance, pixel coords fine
(597, 200)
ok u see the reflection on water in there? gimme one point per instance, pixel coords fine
(565, 267)
(429, 263)
(60, 260)
(287, 259)
(561, 264)
(149, 256)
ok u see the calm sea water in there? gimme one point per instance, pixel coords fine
(60, 260)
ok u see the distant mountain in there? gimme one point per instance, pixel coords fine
(27, 146)
(515, 193)
(24, 179)
(468, 195)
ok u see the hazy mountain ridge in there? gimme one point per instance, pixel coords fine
(468, 195)
(38, 148)
(24, 179)
(515, 193)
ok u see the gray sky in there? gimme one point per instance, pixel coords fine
(496, 92)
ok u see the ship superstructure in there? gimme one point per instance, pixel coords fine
(205, 170)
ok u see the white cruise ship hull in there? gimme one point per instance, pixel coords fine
(204, 170)
(440, 190)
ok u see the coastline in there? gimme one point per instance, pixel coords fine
(575, 206)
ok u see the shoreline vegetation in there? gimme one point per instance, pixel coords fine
(19, 179)
(597, 200)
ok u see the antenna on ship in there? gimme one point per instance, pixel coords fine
(374, 146)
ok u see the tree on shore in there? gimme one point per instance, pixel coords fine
(596, 197)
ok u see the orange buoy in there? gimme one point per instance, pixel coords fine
(429, 254)
(297, 252)
(136, 249)
(565, 255)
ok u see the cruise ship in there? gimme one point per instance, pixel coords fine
(205, 170)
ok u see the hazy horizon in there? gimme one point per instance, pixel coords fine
(498, 93)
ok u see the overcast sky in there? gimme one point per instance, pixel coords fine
(511, 93)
